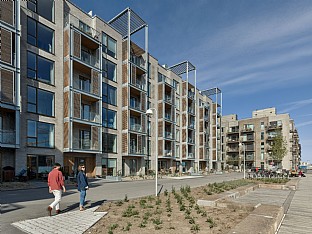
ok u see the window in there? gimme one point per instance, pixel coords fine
(86, 112)
(109, 143)
(109, 118)
(40, 36)
(40, 68)
(43, 8)
(109, 45)
(109, 167)
(84, 84)
(262, 125)
(262, 135)
(84, 139)
(109, 70)
(40, 101)
(109, 94)
(40, 134)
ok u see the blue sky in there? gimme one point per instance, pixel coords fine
(258, 52)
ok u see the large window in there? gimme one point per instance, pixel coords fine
(40, 134)
(38, 166)
(109, 94)
(109, 167)
(43, 8)
(40, 36)
(109, 70)
(40, 68)
(109, 118)
(109, 45)
(84, 139)
(109, 143)
(40, 101)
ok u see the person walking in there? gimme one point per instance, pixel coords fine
(82, 182)
(56, 185)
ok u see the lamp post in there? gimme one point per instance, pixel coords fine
(242, 144)
(149, 112)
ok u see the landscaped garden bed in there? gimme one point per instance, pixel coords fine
(174, 211)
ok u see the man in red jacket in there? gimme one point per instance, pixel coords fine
(56, 185)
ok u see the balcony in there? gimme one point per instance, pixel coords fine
(249, 157)
(191, 140)
(232, 140)
(274, 126)
(138, 83)
(90, 116)
(167, 153)
(191, 110)
(89, 59)
(135, 150)
(83, 144)
(168, 99)
(233, 149)
(139, 61)
(192, 125)
(168, 135)
(247, 129)
(136, 127)
(271, 137)
(248, 138)
(135, 104)
(232, 159)
(168, 117)
(191, 94)
(190, 156)
(7, 137)
(233, 131)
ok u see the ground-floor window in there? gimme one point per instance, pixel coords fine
(39, 166)
(109, 167)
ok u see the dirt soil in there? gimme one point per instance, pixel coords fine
(147, 215)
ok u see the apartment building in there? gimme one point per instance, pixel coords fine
(75, 89)
(9, 82)
(254, 137)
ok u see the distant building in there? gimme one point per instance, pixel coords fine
(256, 135)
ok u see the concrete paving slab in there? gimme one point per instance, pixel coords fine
(69, 222)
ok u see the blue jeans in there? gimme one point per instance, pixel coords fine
(82, 197)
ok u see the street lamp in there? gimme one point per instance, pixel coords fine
(149, 112)
(242, 144)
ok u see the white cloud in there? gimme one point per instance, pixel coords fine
(296, 105)
(303, 124)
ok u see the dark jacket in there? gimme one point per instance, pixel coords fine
(82, 181)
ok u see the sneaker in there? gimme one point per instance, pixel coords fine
(49, 209)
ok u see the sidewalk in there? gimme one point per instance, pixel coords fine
(70, 222)
(298, 217)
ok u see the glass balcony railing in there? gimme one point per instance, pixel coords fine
(191, 140)
(138, 83)
(168, 117)
(167, 153)
(90, 116)
(136, 127)
(83, 144)
(89, 59)
(7, 137)
(190, 156)
(192, 125)
(85, 86)
(135, 105)
(191, 94)
(168, 98)
(168, 135)
(135, 150)
(139, 61)
(191, 110)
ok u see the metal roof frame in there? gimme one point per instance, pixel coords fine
(121, 22)
(183, 67)
(210, 92)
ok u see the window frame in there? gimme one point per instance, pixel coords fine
(36, 69)
(35, 3)
(106, 118)
(104, 140)
(36, 134)
(105, 45)
(36, 36)
(106, 95)
(36, 103)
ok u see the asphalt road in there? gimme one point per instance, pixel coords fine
(19, 205)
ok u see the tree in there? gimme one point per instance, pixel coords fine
(279, 148)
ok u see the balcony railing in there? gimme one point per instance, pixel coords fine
(191, 110)
(168, 117)
(7, 137)
(83, 144)
(191, 140)
(138, 83)
(235, 149)
(191, 94)
(136, 127)
(85, 87)
(135, 150)
(167, 153)
(246, 138)
(139, 61)
(91, 117)
(249, 129)
(89, 59)
(168, 135)
(232, 140)
(190, 156)
(135, 105)
(168, 98)
(192, 125)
